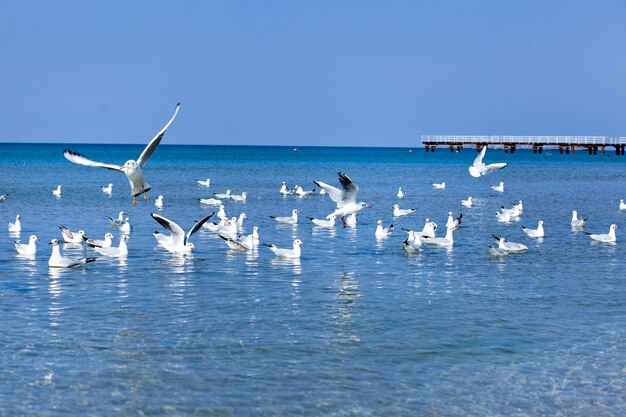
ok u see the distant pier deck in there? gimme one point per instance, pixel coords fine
(565, 144)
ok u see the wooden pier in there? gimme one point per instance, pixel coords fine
(565, 144)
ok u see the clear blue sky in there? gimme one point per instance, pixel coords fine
(309, 73)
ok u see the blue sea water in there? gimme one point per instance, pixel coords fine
(355, 328)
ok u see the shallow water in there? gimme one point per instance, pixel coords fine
(355, 328)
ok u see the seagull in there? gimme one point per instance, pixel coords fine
(239, 198)
(287, 253)
(293, 219)
(622, 205)
(71, 237)
(413, 243)
(344, 198)
(57, 191)
(300, 191)
(229, 229)
(504, 217)
(108, 189)
(439, 185)
(401, 193)
(605, 238)
(499, 188)
(205, 183)
(383, 232)
(327, 224)
(3, 197)
(497, 251)
(240, 219)
(95, 243)
(210, 201)
(17, 226)
(120, 251)
(576, 222)
(126, 228)
(221, 213)
(223, 195)
(117, 222)
(132, 169)
(350, 219)
(478, 168)
(178, 242)
(514, 211)
(245, 244)
(158, 203)
(429, 229)
(397, 211)
(447, 241)
(535, 233)
(509, 246)
(452, 222)
(284, 190)
(215, 227)
(29, 248)
(468, 202)
(59, 261)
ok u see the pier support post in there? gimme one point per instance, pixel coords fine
(590, 150)
(512, 148)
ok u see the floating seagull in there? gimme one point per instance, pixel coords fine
(108, 189)
(121, 251)
(223, 195)
(497, 251)
(132, 169)
(452, 222)
(245, 244)
(400, 193)
(327, 224)
(126, 228)
(499, 188)
(504, 217)
(57, 191)
(447, 241)
(535, 233)
(3, 197)
(622, 205)
(382, 232)
(205, 183)
(429, 229)
(239, 221)
(439, 185)
(71, 237)
(479, 168)
(210, 201)
(514, 211)
(229, 229)
(344, 198)
(221, 213)
(576, 222)
(284, 190)
(29, 248)
(605, 238)
(17, 226)
(468, 202)
(239, 198)
(117, 222)
(95, 243)
(413, 243)
(59, 261)
(397, 211)
(158, 203)
(215, 227)
(293, 219)
(300, 191)
(509, 246)
(350, 219)
(178, 241)
(287, 253)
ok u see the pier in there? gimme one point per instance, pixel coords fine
(565, 144)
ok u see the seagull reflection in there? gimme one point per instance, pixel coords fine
(54, 289)
(292, 262)
(346, 297)
(323, 232)
(27, 264)
(178, 263)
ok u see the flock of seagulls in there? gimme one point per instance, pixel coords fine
(345, 207)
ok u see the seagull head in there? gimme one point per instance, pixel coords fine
(33, 238)
(364, 205)
(53, 242)
(297, 242)
(190, 245)
(129, 166)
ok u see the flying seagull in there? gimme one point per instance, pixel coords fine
(179, 240)
(344, 198)
(478, 168)
(132, 168)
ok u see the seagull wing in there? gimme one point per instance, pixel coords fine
(178, 234)
(147, 153)
(79, 159)
(479, 159)
(350, 189)
(333, 193)
(197, 226)
(493, 167)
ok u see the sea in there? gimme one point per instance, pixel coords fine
(356, 327)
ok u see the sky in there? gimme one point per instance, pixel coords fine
(309, 73)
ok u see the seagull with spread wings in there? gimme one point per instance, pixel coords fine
(132, 168)
(178, 241)
(479, 168)
(344, 198)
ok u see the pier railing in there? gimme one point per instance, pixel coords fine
(522, 140)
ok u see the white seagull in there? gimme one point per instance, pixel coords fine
(239, 198)
(622, 205)
(178, 242)
(383, 232)
(499, 188)
(120, 251)
(221, 213)
(126, 227)
(327, 224)
(504, 217)
(413, 243)
(509, 246)
(535, 233)
(117, 222)
(71, 237)
(57, 191)
(605, 238)
(29, 248)
(287, 253)
(397, 211)
(576, 222)
(344, 198)
(300, 191)
(158, 203)
(497, 251)
(225, 195)
(245, 244)
(17, 226)
(215, 227)
(210, 201)
(284, 190)
(3, 197)
(478, 168)
(446, 241)
(439, 185)
(468, 202)
(452, 222)
(350, 219)
(59, 261)
(205, 183)
(401, 193)
(96, 243)
(132, 169)
(293, 219)
(108, 189)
